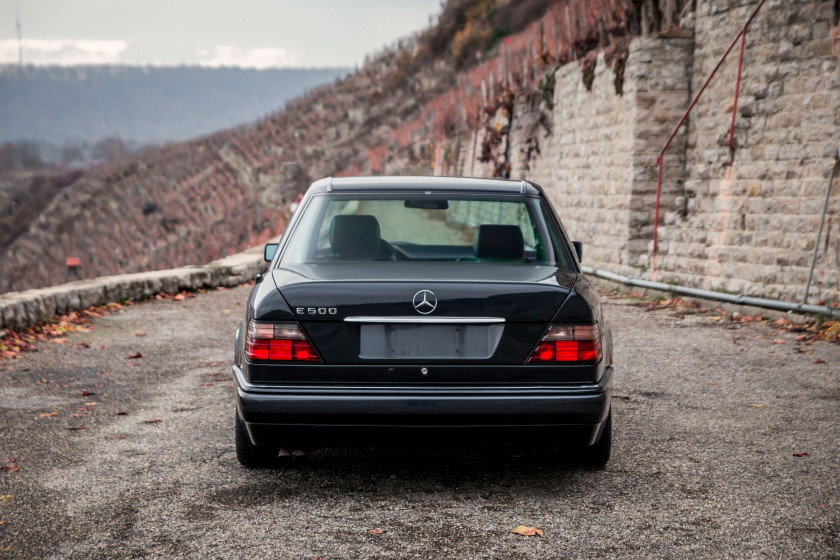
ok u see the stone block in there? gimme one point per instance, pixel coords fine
(8, 315)
(19, 317)
(169, 284)
(151, 286)
(91, 295)
(62, 301)
(47, 303)
(33, 310)
(785, 51)
(116, 290)
(74, 302)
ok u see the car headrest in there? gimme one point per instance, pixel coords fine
(499, 242)
(354, 235)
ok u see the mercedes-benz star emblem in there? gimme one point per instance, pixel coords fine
(425, 302)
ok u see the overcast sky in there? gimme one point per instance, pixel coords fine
(252, 33)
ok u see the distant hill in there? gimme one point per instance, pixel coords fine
(144, 104)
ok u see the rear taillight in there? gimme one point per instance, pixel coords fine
(568, 343)
(278, 341)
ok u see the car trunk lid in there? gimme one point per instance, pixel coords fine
(430, 312)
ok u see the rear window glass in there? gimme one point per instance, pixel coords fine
(411, 227)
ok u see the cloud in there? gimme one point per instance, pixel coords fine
(62, 52)
(255, 57)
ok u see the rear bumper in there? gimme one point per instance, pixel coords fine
(572, 414)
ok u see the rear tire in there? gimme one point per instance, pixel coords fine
(248, 454)
(598, 454)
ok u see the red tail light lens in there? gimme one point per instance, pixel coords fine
(568, 343)
(283, 342)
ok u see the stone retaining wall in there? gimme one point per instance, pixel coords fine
(746, 220)
(22, 309)
(597, 157)
(741, 220)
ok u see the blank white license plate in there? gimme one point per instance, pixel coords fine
(432, 342)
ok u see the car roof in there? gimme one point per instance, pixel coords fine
(401, 183)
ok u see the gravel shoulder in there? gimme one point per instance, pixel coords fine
(708, 417)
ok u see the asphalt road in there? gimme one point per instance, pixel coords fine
(707, 418)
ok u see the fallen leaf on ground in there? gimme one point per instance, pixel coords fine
(819, 361)
(757, 405)
(134, 356)
(117, 436)
(821, 506)
(48, 414)
(58, 340)
(92, 403)
(79, 427)
(120, 413)
(87, 393)
(10, 467)
(153, 421)
(7, 497)
(179, 297)
(779, 341)
(800, 454)
(138, 333)
(527, 531)
(376, 531)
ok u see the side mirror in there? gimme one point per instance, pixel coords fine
(269, 251)
(578, 249)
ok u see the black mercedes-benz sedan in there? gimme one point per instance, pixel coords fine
(401, 307)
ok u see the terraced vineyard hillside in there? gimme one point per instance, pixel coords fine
(411, 109)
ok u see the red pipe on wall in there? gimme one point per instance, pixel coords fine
(742, 34)
(737, 89)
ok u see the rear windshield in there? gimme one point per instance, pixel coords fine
(417, 227)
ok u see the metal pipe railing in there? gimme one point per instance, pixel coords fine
(741, 35)
(822, 222)
(740, 299)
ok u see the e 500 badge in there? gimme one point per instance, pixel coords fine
(316, 310)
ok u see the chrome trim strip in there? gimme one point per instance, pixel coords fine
(427, 320)
(414, 390)
(242, 382)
